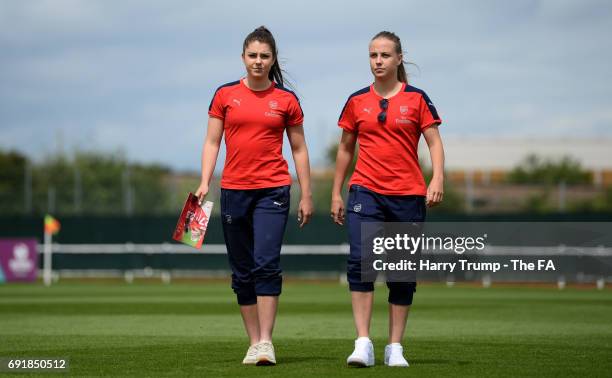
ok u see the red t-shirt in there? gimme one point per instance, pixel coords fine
(253, 123)
(388, 161)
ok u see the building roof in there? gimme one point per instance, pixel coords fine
(504, 154)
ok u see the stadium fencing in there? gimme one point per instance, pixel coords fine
(167, 261)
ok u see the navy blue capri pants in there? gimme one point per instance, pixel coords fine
(253, 226)
(365, 205)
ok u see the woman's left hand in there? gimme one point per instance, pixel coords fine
(435, 192)
(305, 210)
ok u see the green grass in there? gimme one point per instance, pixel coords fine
(182, 329)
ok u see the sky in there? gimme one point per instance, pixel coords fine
(137, 77)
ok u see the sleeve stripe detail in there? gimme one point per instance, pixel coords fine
(359, 92)
(223, 86)
(432, 108)
(294, 95)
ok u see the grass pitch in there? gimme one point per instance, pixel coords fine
(194, 329)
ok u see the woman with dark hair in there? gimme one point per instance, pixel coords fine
(387, 118)
(253, 113)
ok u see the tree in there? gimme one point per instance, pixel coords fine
(332, 152)
(87, 183)
(322, 187)
(535, 170)
(12, 182)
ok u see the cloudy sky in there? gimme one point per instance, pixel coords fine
(137, 76)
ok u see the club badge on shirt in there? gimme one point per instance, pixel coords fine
(273, 104)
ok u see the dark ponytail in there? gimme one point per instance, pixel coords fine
(263, 35)
(401, 70)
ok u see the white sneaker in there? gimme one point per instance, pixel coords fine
(265, 354)
(251, 355)
(394, 355)
(363, 355)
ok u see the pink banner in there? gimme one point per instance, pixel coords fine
(18, 260)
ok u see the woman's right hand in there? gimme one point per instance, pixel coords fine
(337, 210)
(201, 192)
